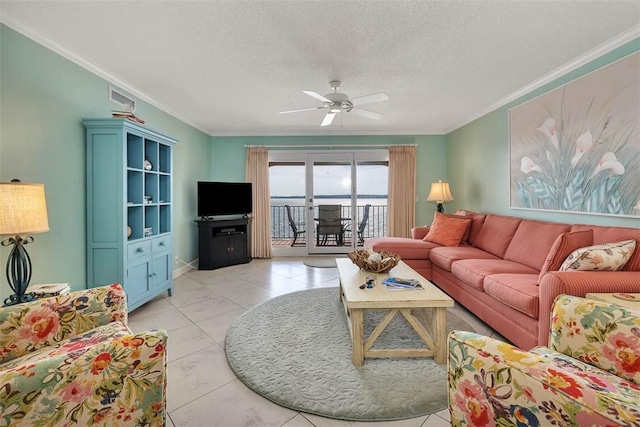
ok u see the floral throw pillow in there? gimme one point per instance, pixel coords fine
(564, 245)
(447, 230)
(607, 257)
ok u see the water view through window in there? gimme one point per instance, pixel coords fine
(332, 186)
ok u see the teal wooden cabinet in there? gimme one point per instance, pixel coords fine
(129, 197)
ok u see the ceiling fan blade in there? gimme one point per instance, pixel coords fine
(328, 118)
(368, 99)
(316, 96)
(366, 113)
(304, 109)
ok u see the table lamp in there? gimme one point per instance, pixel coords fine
(23, 210)
(440, 193)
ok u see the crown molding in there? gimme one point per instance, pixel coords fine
(595, 53)
(589, 56)
(91, 67)
(342, 132)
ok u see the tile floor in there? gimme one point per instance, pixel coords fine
(202, 390)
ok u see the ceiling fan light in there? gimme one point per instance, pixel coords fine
(335, 109)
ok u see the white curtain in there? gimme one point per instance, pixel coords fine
(402, 190)
(257, 173)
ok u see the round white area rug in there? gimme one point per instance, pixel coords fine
(320, 262)
(295, 350)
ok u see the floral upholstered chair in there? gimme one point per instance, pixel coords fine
(589, 375)
(71, 360)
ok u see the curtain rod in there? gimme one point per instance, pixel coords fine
(334, 146)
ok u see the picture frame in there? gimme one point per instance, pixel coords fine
(576, 148)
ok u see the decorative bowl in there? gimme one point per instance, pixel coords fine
(361, 259)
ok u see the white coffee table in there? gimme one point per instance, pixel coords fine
(412, 304)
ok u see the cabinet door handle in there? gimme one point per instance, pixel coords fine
(140, 250)
(161, 244)
(150, 275)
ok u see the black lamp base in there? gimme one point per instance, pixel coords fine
(440, 208)
(17, 299)
(18, 270)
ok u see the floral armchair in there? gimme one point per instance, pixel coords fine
(590, 375)
(71, 360)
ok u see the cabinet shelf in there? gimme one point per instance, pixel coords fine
(142, 260)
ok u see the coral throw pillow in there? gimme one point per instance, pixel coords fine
(563, 246)
(447, 230)
(607, 257)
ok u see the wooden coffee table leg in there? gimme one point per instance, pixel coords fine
(357, 336)
(440, 333)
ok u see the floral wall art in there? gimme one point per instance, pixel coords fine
(576, 148)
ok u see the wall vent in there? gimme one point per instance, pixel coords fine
(121, 99)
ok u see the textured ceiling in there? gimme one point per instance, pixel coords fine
(229, 67)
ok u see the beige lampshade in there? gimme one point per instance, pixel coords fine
(439, 192)
(23, 209)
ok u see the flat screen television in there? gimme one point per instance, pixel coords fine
(224, 198)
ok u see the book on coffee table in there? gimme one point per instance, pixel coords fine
(400, 284)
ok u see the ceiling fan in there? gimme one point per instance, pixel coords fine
(337, 102)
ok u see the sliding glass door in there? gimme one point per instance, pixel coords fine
(331, 202)
(327, 202)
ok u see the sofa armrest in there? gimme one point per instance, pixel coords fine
(419, 232)
(604, 335)
(494, 383)
(579, 283)
(44, 322)
(117, 382)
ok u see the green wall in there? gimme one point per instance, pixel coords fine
(229, 153)
(43, 98)
(478, 157)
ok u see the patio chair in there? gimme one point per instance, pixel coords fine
(329, 224)
(361, 226)
(296, 231)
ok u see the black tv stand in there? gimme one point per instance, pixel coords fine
(223, 242)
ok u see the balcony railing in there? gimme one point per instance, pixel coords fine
(376, 225)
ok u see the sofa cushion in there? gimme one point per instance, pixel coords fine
(518, 291)
(496, 234)
(477, 220)
(406, 248)
(419, 232)
(447, 230)
(612, 383)
(532, 241)
(443, 256)
(615, 390)
(602, 234)
(109, 332)
(563, 246)
(461, 213)
(607, 257)
(473, 271)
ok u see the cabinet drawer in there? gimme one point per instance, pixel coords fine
(135, 250)
(161, 244)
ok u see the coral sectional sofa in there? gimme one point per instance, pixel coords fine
(505, 269)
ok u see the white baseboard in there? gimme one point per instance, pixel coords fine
(186, 267)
